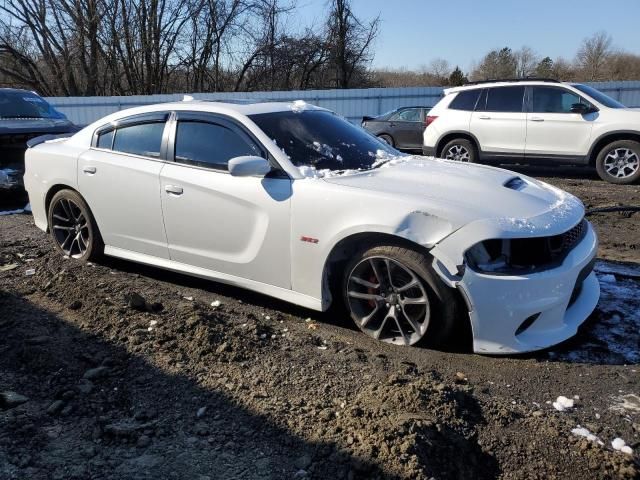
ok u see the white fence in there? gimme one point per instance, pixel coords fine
(352, 104)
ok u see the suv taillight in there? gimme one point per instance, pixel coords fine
(430, 120)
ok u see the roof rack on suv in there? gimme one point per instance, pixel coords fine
(526, 79)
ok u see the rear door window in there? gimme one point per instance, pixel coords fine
(142, 139)
(505, 99)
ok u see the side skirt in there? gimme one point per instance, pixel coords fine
(271, 290)
(533, 159)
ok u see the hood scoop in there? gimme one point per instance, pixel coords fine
(515, 183)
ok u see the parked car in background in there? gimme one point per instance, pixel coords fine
(23, 116)
(293, 201)
(401, 128)
(536, 122)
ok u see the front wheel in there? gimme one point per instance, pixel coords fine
(619, 162)
(393, 295)
(460, 150)
(72, 226)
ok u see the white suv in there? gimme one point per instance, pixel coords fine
(535, 122)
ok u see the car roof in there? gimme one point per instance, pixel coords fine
(502, 83)
(243, 107)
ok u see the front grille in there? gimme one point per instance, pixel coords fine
(567, 240)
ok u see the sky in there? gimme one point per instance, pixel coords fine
(414, 32)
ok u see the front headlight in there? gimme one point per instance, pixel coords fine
(490, 256)
(515, 256)
(518, 256)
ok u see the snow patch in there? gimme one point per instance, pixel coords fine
(608, 278)
(12, 212)
(299, 106)
(614, 335)
(583, 432)
(563, 403)
(309, 171)
(26, 209)
(620, 445)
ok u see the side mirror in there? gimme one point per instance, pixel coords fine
(582, 108)
(249, 166)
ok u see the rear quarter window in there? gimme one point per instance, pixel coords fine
(105, 139)
(465, 100)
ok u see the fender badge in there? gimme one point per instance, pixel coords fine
(308, 239)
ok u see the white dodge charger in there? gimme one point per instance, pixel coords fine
(295, 202)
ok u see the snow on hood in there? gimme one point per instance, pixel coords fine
(469, 192)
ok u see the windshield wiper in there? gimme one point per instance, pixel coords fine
(379, 162)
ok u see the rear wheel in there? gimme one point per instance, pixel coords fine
(387, 139)
(619, 162)
(73, 227)
(460, 150)
(393, 295)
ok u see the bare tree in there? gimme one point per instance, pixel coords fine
(439, 67)
(526, 61)
(593, 55)
(40, 35)
(350, 41)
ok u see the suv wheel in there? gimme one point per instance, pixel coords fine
(459, 150)
(393, 295)
(619, 162)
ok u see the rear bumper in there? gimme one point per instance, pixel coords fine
(517, 314)
(428, 151)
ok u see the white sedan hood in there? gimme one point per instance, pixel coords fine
(466, 193)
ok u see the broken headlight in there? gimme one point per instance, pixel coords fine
(514, 256)
(524, 255)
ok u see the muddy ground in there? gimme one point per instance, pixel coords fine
(131, 372)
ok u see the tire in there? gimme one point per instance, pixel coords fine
(370, 301)
(387, 139)
(619, 162)
(460, 150)
(73, 228)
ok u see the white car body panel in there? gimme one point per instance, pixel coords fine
(275, 235)
(132, 217)
(500, 132)
(237, 225)
(559, 133)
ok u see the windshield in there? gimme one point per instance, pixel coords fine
(323, 140)
(18, 104)
(598, 96)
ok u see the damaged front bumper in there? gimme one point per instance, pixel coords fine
(517, 313)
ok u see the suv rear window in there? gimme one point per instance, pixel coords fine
(505, 99)
(465, 100)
